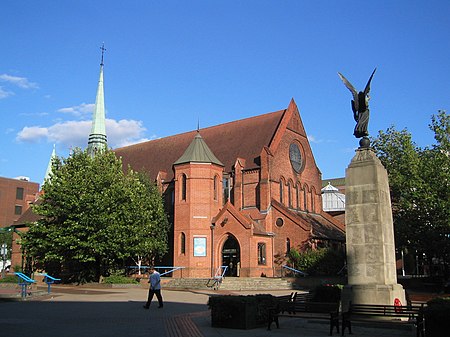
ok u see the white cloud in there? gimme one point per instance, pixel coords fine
(314, 140)
(4, 93)
(32, 134)
(34, 114)
(76, 133)
(81, 110)
(21, 82)
(124, 132)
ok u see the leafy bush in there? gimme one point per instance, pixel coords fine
(119, 279)
(9, 279)
(323, 261)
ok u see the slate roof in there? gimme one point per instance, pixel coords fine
(243, 138)
(322, 225)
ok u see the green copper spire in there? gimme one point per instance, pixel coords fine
(97, 137)
(49, 170)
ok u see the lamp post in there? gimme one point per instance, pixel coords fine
(213, 226)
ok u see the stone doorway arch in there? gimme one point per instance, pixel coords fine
(231, 256)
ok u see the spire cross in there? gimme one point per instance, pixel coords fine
(103, 49)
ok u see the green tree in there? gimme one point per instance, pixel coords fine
(419, 183)
(95, 218)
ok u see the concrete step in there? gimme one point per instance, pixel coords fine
(230, 283)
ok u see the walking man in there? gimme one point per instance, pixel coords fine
(155, 288)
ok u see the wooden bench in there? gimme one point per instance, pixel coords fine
(301, 306)
(388, 314)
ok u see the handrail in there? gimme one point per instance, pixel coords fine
(25, 282)
(295, 270)
(24, 277)
(49, 280)
(217, 278)
(174, 268)
(224, 271)
(170, 271)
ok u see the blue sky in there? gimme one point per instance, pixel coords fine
(170, 64)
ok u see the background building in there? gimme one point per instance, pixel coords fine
(15, 198)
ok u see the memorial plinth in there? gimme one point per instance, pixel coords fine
(372, 275)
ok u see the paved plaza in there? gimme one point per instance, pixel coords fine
(81, 311)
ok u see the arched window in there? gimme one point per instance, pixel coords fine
(183, 243)
(261, 253)
(216, 183)
(288, 245)
(297, 197)
(305, 197)
(183, 186)
(281, 190)
(289, 195)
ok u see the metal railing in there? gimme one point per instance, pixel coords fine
(49, 280)
(296, 271)
(159, 268)
(218, 277)
(24, 281)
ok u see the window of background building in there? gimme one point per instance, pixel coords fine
(261, 253)
(19, 193)
(288, 245)
(18, 210)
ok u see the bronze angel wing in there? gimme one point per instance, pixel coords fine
(367, 89)
(352, 90)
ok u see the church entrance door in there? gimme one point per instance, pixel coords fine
(231, 256)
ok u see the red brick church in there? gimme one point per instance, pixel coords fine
(239, 194)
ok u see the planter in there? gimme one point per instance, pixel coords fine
(437, 317)
(239, 312)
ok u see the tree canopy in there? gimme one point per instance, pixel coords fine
(95, 218)
(419, 180)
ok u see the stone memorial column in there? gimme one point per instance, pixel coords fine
(372, 276)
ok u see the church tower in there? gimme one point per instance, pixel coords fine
(97, 137)
(197, 199)
(49, 170)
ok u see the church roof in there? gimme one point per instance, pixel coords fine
(198, 152)
(243, 138)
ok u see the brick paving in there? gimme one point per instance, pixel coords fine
(81, 311)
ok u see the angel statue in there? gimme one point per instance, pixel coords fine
(360, 106)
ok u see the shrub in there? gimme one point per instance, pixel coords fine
(9, 279)
(323, 261)
(119, 279)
